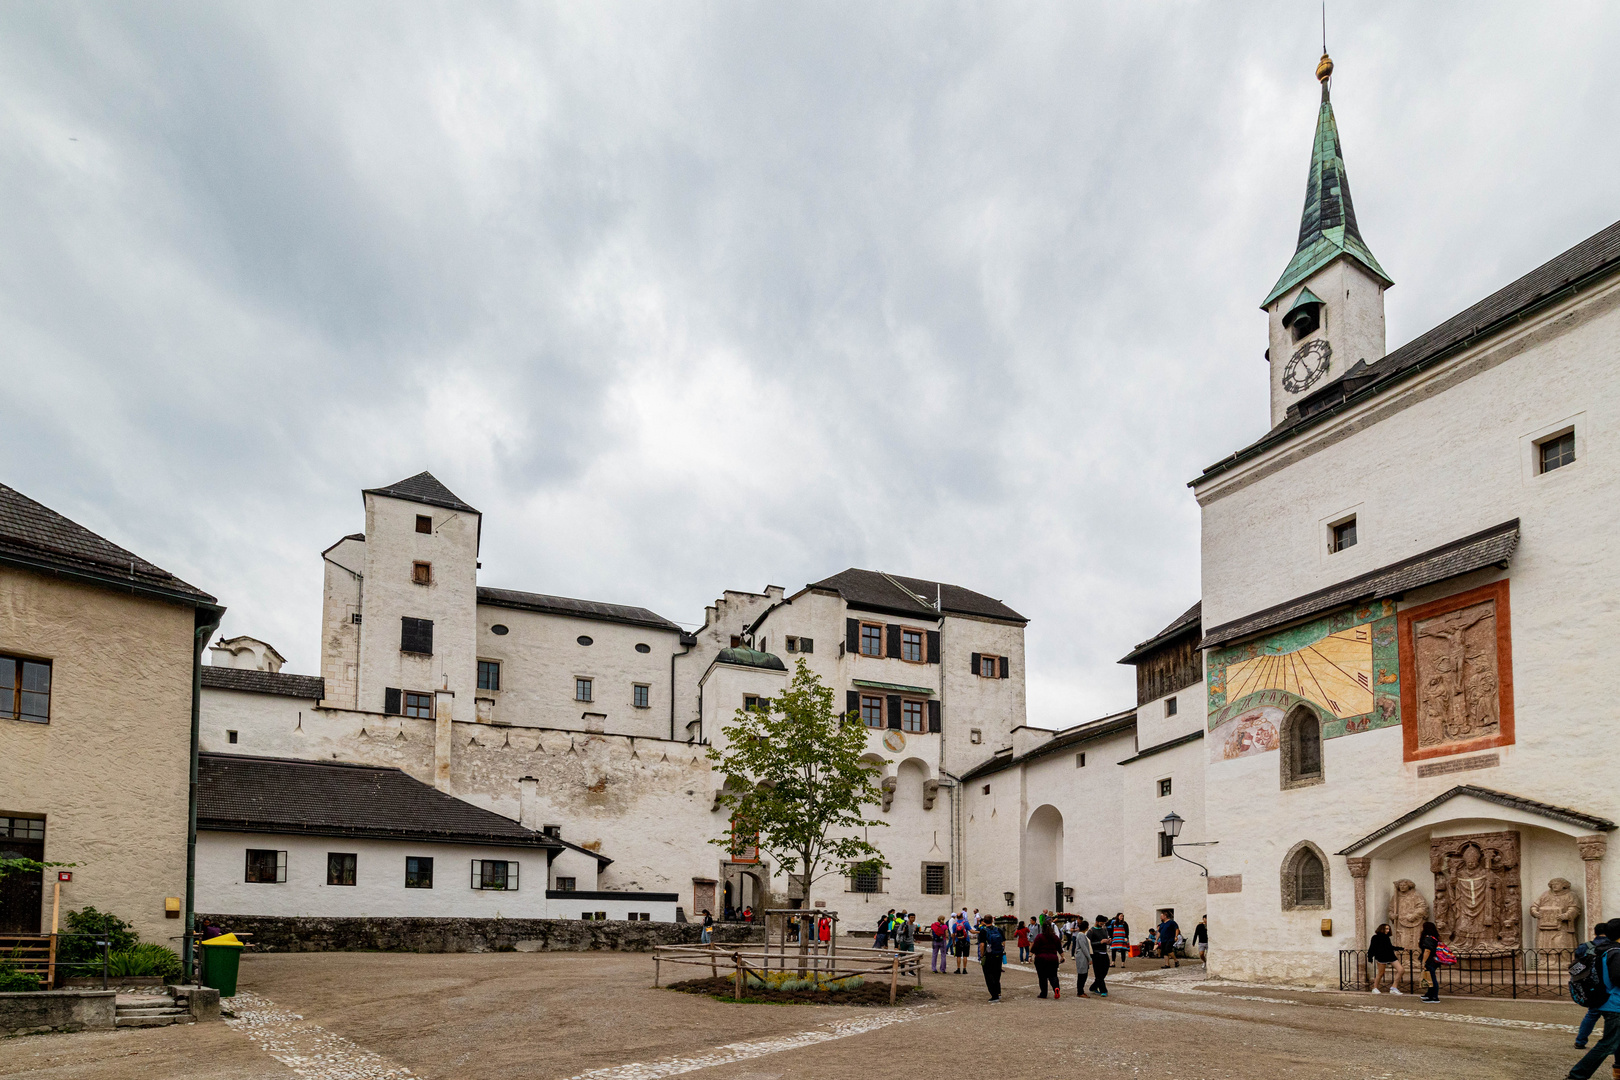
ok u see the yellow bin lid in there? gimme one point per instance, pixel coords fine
(226, 939)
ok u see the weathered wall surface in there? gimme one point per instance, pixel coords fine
(109, 772)
(272, 934)
(1448, 454)
(56, 1010)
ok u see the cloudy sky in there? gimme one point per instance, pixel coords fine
(693, 296)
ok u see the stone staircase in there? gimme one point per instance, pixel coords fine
(150, 1011)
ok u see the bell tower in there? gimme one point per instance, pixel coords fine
(1326, 312)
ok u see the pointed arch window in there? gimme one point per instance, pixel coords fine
(1302, 748)
(1305, 878)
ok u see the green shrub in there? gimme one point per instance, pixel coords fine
(79, 950)
(145, 958)
(13, 981)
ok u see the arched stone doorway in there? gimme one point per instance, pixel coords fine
(1043, 862)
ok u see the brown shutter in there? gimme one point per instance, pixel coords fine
(852, 636)
(933, 717)
(1003, 667)
(894, 641)
(933, 646)
(893, 710)
(853, 699)
(977, 658)
(391, 701)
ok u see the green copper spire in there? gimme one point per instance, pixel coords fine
(1327, 229)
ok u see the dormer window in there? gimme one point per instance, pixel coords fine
(1305, 317)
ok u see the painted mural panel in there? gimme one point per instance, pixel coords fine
(1345, 666)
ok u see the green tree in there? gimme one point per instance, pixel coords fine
(795, 783)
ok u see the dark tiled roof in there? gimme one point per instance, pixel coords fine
(321, 798)
(578, 609)
(750, 658)
(1087, 732)
(1492, 547)
(424, 487)
(877, 591)
(1500, 798)
(1593, 258)
(1168, 744)
(35, 535)
(1188, 621)
(250, 681)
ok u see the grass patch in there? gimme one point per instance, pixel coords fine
(722, 989)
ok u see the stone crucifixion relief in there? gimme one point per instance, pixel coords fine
(1476, 890)
(1457, 680)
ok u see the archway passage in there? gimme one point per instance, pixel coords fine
(1042, 883)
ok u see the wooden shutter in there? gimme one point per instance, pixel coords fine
(1003, 667)
(977, 657)
(281, 868)
(511, 877)
(893, 648)
(893, 710)
(853, 699)
(933, 646)
(852, 636)
(391, 701)
(807, 644)
(416, 635)
(933, 717)
(478, 873)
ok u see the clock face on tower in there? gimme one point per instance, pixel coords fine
(1307, 366)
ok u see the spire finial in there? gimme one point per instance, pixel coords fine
(1324, 66)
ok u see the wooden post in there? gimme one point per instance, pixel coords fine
(56, 907)
(714, 968)
(737, 995)
(655, 970)
(894, 977)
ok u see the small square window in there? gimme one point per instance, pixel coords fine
(489, 674)
(1343, 535)
(565, 884)
(792, 644)
(1556, 452)
(807, 645)
(988, 667)
(419, 705)
(987, 789)
(340, 868)
(1080, 760)
(911, 646)
(582, 689)
(641, 696)
(1167, 846)
(421, 573)
(1170, 707)
(266, 867)
(1164, 787)
(230, 736)
(872, 710)
(871, 639)
(25, 689)
(418, 872)
(975, 736)
(494, 874)
(934, 879)
(911, 716)
(866, 881)
(424, 523)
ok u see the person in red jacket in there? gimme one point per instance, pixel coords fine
(1022, 937)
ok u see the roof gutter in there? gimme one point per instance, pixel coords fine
(111, 581)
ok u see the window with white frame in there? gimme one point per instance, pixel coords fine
(495, 875)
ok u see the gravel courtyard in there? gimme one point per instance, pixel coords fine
(366, 1016)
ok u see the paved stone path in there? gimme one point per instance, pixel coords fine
(307, 1049)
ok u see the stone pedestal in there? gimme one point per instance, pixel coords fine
(1358, 874)
(1592, 849)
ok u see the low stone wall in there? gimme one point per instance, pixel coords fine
(56, 1010)
(274, 933)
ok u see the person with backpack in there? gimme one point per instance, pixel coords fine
(961, 934)
(1599, 986)
(1585, 989)
(994, 945)
(1428, 955)
(905, 933)
(884, 923)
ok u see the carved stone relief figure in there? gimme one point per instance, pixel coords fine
(1408, 911)
(1476, 890)
(1457, 680)
(1555, 913)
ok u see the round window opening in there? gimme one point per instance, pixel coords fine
(583, 640)
(643, 647)
(498, 630)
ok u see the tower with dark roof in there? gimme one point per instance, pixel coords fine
(1327, 309)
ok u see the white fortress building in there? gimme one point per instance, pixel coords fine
(1388, 702)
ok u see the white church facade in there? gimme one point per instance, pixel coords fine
(1389, 696)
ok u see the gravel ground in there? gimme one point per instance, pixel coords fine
(553, 1016)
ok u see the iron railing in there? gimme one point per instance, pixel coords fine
(1521, 973)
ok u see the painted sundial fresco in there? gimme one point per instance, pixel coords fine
(1345, 666)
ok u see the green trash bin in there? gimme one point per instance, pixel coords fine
(220, 958)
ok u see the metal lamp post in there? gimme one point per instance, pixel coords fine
(1171, 827)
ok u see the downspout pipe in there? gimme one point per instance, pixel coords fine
(686, 648)
(208, 620)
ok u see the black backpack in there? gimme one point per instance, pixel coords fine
(1586, 985)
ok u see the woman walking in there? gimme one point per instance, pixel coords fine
(1428, 944)
(1080, 949)
(1022, 937)
(1381, 951)
(1048, 953)
(708, 926)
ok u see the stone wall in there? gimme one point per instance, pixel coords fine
(311, 934)
(56, 1010)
